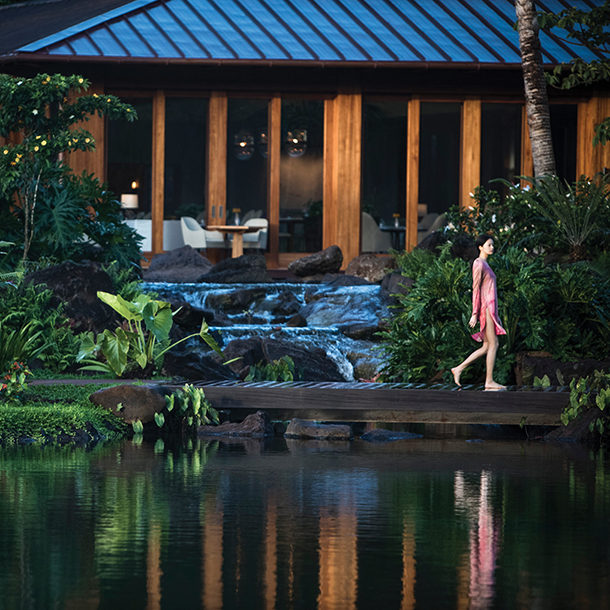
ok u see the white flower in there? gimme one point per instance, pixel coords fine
(20, 83)
(34, 111)
(470, 207)
(493, 218)
(71, 116)
(471, 194)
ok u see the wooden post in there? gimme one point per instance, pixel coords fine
(216, 200)
(527, 160)
(274, 140)
(470, 175)
(158, 171)
(413, 127)
(92, 162)
(342, 173)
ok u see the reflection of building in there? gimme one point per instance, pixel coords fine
(396, 108)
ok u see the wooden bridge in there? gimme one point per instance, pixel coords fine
(387, 402)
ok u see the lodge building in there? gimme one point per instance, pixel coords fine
(348, 122)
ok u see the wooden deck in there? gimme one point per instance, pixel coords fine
(385, 402)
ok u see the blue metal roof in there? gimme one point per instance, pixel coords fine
(380, 31)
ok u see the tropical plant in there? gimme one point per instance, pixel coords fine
(14, 383)
(586, 393)
(282, 369)
(7, 278)
(187, 409)
(18, 345)
(142, 339)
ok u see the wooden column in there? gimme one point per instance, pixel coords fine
(413, 127)
(589, 159)
(92, 162)
(158, 171)
(274, 142)
(470, 176)
(342, 173)
(527, 161)
(216, 200)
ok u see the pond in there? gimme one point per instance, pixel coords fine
(284, 524)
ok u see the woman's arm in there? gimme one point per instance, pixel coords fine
(477, 278)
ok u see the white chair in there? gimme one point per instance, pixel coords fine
(438, 223)
(373, 238)
(427, 221)
(251, 214)
(257, 239)
(197, 237)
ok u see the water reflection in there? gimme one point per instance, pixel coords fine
(248, 524)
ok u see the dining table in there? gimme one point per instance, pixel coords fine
(238, 236)
(397, 233)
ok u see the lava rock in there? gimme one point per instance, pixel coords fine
(256, 425)
(188, 316)
(139, 402)
(379, 435)
(247, 269)
(325, 261)
(348, 280)
(288, 304)
(370, 267)
(463, 247)
(296, 321)
(432, 242)
(196, 365)
(361, 331)
(237, 300)
(395, 283)
(76, 285)
(180, 265)
(300, 428)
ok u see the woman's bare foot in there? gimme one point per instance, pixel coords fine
(493, 386)
(456, 375)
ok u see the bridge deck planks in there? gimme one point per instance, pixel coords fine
(407, 403)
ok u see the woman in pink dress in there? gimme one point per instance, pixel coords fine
(484, 311)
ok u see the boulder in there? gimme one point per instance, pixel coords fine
(538, 364)
(370, 267)
(256, 425)
(312, 363)
(247, 269)
(76, 285)
(325, 261)
(196, 365)
(138, 402)
(361, 330)
(348, 280)
(287, 305)
(395, 283)
(296, 321)
(300, 428)
(180, 265)
(380, 435)
(236, 300)
(189, 316)
(463, 247)
(432, 241)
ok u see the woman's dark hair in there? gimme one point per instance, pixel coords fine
(482, 240)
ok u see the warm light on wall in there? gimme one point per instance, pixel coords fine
(129, 201)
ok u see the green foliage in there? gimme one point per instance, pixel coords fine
(277, 370)
(561, 309)
(187, 409)
(141, 340)
(586, 393)
(58, 215)
(7, 278)
(14, 383)
(18, 345)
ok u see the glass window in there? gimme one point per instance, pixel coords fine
(564, 120)
(439, 156)
(500, 145)
(301, 175)
(247, 159)
(185, 157)
(130, 159)
(384, 166)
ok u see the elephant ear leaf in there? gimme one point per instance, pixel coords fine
(120, 305)
(115, 348)
(204, 333)
(158, 320)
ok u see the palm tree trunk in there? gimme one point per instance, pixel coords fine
(536, 100)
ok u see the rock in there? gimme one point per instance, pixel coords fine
(288, 304)
(194, 365)
(77, 285)
(379, 435)
(180, 265)
(325, 261)
(464, 247)
(300, 428)
(577, 431)
(361, 330)
(395, 283)
(256, 425)
(247, 269)
(538, 364)
(349, 280)
(189, 316)
(139, 402)
(432, 241)
(365, 369)
(312, 363)
(370, 267)
(296, 321)
(236, 300)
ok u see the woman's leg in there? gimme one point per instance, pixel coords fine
(492, 340)
(457, 370)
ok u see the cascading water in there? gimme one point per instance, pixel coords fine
(331, 313)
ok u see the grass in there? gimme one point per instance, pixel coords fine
(56, 409)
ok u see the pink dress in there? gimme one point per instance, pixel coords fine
(484, 297)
